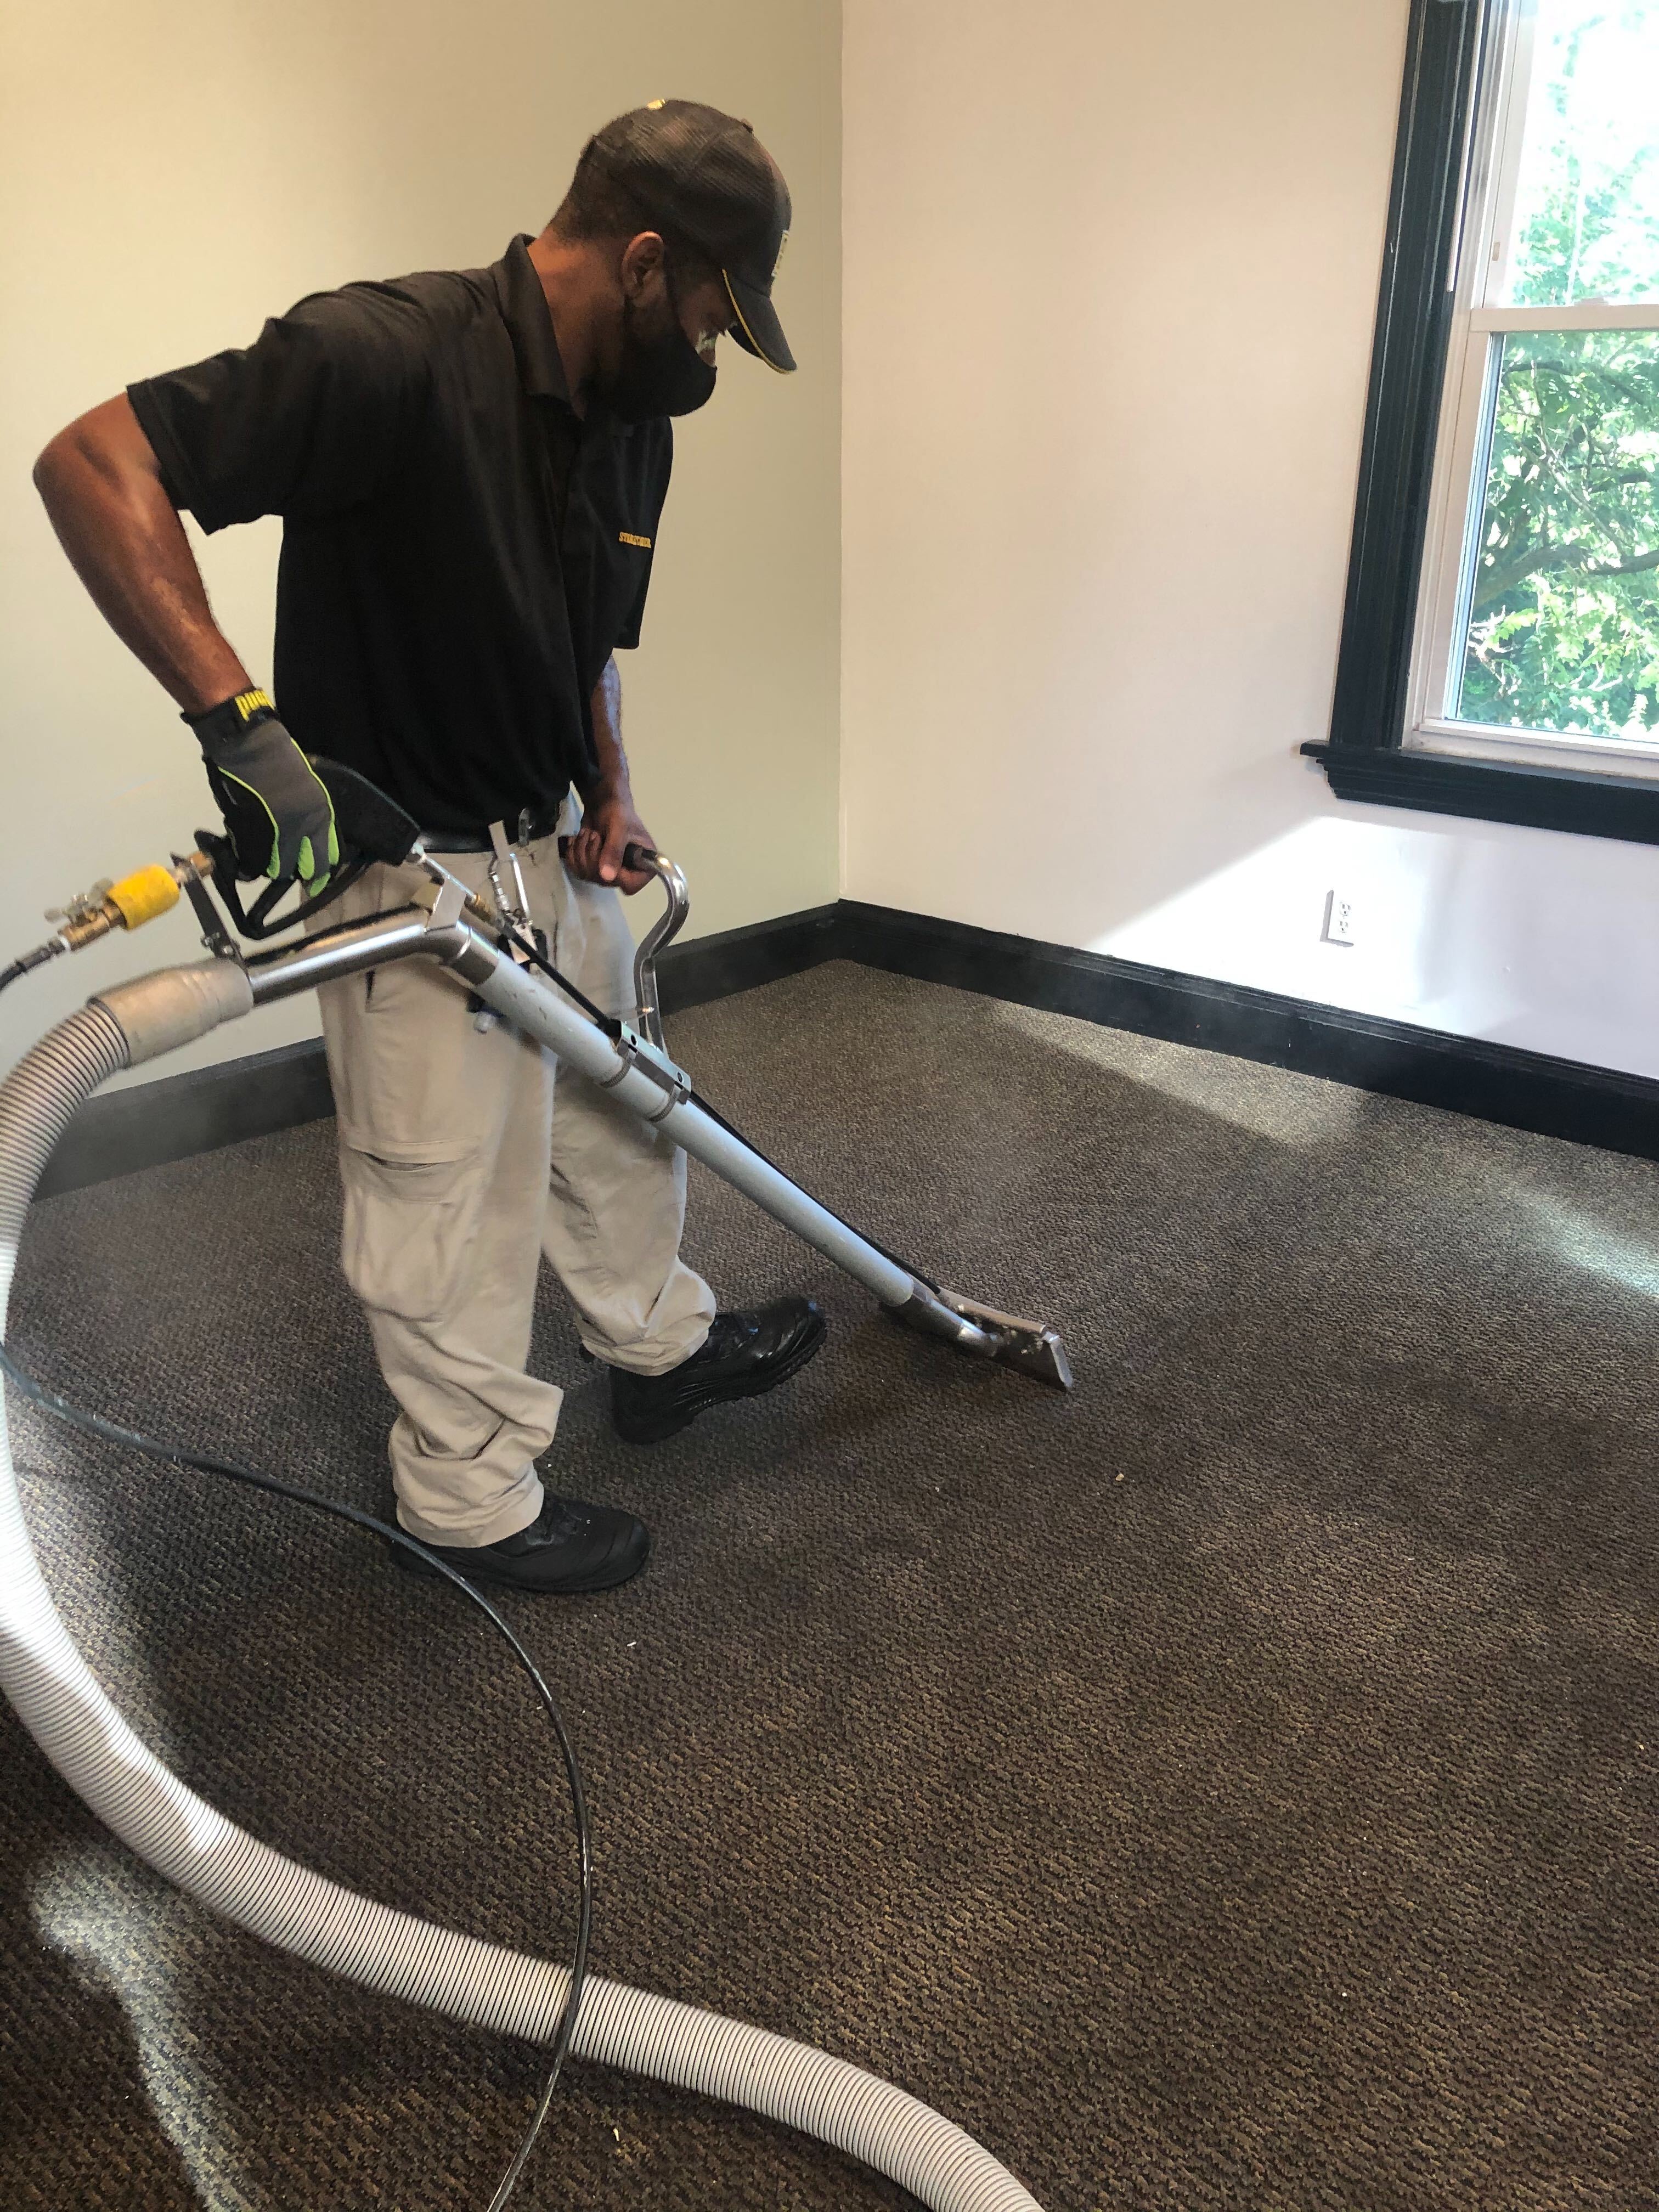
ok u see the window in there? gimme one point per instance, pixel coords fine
(1501, 645)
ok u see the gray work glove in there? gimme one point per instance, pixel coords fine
(279, 816)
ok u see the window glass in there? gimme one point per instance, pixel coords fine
(1563, 618)
(1586, 222)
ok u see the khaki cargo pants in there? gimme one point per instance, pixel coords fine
(466, 1154)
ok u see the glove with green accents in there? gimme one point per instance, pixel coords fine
(280, 818)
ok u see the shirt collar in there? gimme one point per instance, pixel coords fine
(529, 324)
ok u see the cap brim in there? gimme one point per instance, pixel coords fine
(755, 327)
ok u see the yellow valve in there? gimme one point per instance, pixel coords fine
(137, 899)
(144, 895)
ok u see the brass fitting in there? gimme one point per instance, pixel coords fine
(140, 898)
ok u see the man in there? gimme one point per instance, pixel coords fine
(469, 467)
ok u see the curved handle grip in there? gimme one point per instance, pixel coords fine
(648, 861)
(664, 932)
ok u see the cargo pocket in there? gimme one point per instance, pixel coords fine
(408, 1226)
(414, 1078)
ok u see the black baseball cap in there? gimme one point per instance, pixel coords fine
(703, 176)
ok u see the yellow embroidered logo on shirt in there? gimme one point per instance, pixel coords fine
(248, 704)
(628, 538)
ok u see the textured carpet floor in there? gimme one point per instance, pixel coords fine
(1234, 1784)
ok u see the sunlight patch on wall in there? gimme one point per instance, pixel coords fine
(1263, 919)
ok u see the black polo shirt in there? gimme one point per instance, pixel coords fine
(461, 552)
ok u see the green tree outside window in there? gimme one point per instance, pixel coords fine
(1564, 617)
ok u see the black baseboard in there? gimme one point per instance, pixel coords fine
(178, 1116)
(183, 1115)
(1498, 1082)
(738, 959)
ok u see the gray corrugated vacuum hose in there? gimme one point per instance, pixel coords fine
(89, 1743)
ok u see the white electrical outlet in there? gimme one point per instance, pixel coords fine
(1339, 927)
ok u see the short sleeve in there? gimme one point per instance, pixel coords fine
(310, 419)
(628, 636)
(662, 465)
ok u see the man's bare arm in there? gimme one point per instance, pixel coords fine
(609, 820)
(102, 487)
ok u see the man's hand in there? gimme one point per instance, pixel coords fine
(279, 815)
(609, 825)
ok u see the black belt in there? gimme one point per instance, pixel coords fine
(530, 825)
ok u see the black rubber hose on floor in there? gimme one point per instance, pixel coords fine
(113, 1432)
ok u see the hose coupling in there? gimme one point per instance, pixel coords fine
(142, 896)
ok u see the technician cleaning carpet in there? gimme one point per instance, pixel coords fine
(470, 468)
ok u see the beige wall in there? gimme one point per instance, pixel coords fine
(1111, 276)
(173, 170)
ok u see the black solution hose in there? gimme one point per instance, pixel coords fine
(114, 1432)
(38, 958)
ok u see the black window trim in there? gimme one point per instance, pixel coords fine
(1365, 757)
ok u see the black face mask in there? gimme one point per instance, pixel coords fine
(664, 375)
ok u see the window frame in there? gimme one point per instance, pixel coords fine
(1432, 364)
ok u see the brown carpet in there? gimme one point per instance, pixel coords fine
(1232, 1785)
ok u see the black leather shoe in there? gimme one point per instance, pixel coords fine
(744, 1354)
(568, 1548)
